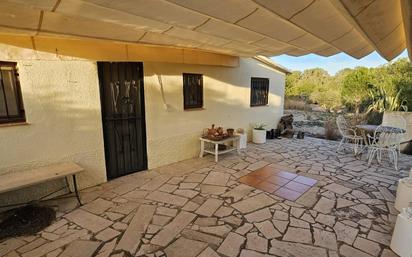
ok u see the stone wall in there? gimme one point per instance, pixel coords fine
(389, 118)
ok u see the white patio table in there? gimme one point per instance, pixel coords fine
(370, 129)
(216, 152)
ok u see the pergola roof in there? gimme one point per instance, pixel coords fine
(235, 27)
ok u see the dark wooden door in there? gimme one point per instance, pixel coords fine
(122, 100)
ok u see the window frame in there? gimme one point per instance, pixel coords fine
(200, 95)
(21, 116)
(256, 83)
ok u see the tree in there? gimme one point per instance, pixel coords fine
(391, 82)
(355, 87)
(401, 71)
(291, 81)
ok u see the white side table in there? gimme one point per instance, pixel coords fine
(401, 238)
(229, 148)
(403, 193)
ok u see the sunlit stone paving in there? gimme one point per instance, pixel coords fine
(199, 208)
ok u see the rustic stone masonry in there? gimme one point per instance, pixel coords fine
(198, 208)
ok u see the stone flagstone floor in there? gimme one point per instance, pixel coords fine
(197, 208)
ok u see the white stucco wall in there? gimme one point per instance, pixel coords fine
(62, 104)
(172, 133)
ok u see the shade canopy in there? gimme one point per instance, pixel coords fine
(235, 27)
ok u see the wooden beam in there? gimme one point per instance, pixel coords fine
(103, 50)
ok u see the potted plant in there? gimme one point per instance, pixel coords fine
(259, 133)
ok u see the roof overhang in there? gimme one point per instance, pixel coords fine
(270, 63)
(106, 50)
(234, 27)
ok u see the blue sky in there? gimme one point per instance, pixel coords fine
(333, 63)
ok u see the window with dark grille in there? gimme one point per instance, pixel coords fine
(11, 104)
(192, 90)
(259, 91)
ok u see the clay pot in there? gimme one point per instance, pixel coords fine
(220, 130)
(212, 130)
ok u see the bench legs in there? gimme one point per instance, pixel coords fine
(75, 190)
(68, 185)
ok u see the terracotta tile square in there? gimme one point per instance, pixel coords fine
(267, 187)
(250, 180)
(287, 194)
(263, 172)
(298, 187)
(305, 180)
(287, 175)
(277, 180)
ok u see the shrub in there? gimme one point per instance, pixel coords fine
(374, 118)
(295, 104)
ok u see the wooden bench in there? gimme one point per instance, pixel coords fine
(16, 180)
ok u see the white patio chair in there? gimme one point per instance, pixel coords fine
(348, 135)
(384, 140)
(396, 121)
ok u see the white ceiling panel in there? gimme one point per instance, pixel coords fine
(322, 19)
(219, 9)
(239, 27)
(158, 10)
(93, 11)
(284, 8)
(54, 22)
(17, 16)
(46, 5)
(229, 31)
(265, 22)
(196, 36)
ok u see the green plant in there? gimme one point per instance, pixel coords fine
(383, 101)
(259, 126)
(295, 104)
(374, 118)
(350, 87)
(355, 87)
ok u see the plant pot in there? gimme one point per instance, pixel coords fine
(259, 136)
